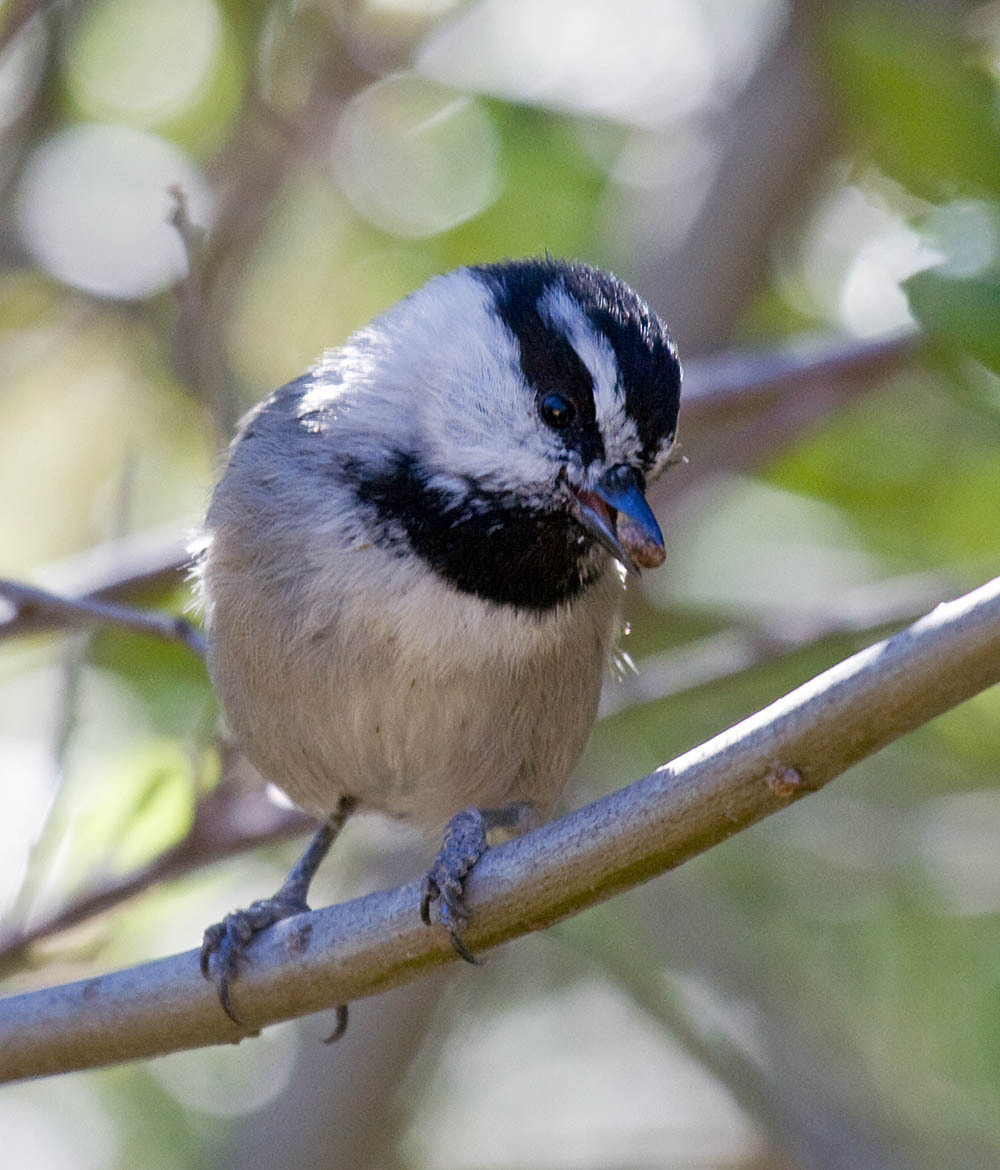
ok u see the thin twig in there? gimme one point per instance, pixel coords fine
(743, 408)
(733, 651)
(222, 827)
(201, 360)
(16, 14)
(114, 571)
(316, 961)
(29, 602)
(739, 377)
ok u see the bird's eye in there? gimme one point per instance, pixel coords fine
(556, 411)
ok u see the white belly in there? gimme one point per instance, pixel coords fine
(410, 716)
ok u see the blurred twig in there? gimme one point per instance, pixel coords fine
(198, 331)
(744, 407)
(30, 602)
(735, 650)
(264, 149)
(16, 14)
(742, 376)
(328, 957)
(224, 825)
(114, 571)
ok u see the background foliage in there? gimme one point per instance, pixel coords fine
(820, 992)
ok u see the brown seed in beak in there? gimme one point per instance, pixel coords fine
(636, 540)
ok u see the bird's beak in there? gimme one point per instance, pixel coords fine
(616, 514)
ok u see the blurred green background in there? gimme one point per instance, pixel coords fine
(822, 991)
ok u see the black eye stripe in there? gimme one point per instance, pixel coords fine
(548, 360)
(647, 362)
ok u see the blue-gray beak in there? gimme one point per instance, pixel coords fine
(616, 514)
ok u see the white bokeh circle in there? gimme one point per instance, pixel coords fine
(93, 206)
(416, 158)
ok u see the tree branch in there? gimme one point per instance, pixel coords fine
(113, 571)
(30, 602)
(227, 823)
(16, 15)
(315, 961)
(224, 825)
(743, 407)
(739, 376)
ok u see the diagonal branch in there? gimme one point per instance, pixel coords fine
(318, 960)
(16, 15)
(224, 826)
(114, 571)
(31, 603)
(227, 823)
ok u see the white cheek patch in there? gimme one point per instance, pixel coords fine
(621, 439)
(482, 421)
(449, 384)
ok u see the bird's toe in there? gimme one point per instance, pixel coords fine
(224, 945)
(464, 844)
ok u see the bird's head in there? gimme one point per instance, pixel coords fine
(507, 419)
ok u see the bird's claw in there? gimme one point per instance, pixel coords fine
(224, 945)
(464, 844)
(339, 1026)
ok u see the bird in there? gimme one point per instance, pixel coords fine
(413, 565)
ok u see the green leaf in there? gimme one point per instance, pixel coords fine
(963, 311)
(929, 117)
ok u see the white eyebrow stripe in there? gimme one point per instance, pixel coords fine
(618, 430)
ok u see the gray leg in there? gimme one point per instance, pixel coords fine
(223, 948)
(464, 843)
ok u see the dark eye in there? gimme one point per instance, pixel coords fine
(556, 411)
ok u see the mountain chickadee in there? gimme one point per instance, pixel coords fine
(412, 567)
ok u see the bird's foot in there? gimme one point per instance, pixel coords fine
(464, 844)
(224, 946)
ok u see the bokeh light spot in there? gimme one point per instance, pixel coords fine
(416, 158)
(93, 204)
(143, 61)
